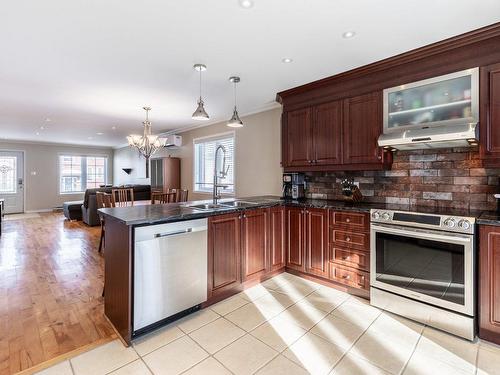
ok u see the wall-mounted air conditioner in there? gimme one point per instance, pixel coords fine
(173, 141)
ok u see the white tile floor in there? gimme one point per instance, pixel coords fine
(289, 325)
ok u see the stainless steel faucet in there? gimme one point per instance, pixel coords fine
(222, 174)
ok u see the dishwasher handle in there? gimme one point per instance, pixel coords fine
(168, 234)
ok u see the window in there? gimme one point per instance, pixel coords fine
(204, 155)
(8, 174)
(78, 173)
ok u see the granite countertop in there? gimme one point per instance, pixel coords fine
(163, 213)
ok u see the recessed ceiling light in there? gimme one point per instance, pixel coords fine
(99, 133)
(48, 120)
(348, 34)
(37, 133)
(113, 127)
(42, 127)
(246, 4)
(286, 60)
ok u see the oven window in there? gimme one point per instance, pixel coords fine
(423, 266)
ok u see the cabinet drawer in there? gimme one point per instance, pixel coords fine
(349, 276)
(353, 220)
(350, 239)
(351, 258)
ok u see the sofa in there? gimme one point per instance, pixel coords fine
(89, 206)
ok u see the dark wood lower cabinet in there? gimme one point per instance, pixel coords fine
(277, 240)
(224, 264)
(295, 240)
(316, 234)
(255, 243)
(489, 283)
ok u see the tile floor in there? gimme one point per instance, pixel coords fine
(288, 325)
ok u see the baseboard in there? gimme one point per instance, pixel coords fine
(38, 211)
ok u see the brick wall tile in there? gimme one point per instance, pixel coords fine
(436, 195)
(470, 180)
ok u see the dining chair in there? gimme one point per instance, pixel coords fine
(103, 200)
(182, 195)
(162, 198)
(122, 197)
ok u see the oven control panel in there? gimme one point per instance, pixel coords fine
(459, 224)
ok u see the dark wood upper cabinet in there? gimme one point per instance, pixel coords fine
(223, 253)
(489, 283)
(298, 135)
(295, 222)
(316, 234)
(362, 127)
(327, 134)
(490, 114)
(277, 239)
(338, 135)
(255, 243)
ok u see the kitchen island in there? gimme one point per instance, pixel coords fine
(229, 248)
(245, 243)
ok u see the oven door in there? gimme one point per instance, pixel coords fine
(430, 266)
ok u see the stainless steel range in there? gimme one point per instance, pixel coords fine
(423, 267)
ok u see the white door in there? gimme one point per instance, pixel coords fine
(11, 181)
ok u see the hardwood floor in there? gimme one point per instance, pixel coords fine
(51, 279)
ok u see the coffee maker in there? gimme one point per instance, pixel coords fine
(293, 186)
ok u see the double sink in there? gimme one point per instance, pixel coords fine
(227, 204)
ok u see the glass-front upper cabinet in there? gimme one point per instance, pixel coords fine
(445, 100)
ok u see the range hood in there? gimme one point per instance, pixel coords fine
(444, 136)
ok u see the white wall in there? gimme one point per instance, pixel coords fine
(42, 175)
(257, 156)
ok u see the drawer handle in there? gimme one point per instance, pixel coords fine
(346, 257)
(347, 220)
(346, 277)
(348, 239)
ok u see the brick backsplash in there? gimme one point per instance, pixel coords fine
(445, 178)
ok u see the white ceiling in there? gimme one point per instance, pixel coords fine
(89, 65)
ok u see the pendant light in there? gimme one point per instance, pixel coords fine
(235, 121)
(200, 113)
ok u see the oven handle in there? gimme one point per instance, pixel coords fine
(429, 235)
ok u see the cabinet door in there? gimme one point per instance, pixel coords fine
(255, 243)
(223, 253)
(317, 241)
(362, 126)
(295, 221)
(277, 238)
(299, 135)
(490, 113)
(489, 283)
(327, 133)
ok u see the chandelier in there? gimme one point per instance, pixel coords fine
(147, 144)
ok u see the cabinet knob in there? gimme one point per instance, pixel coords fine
(346, 277)
(346, 257)
(379, 157)
(348, 239)
(347, 220)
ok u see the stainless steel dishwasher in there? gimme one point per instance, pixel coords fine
(170, 270)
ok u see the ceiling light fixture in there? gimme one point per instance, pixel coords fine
(42, 127)
(247, 4)
(348, 34)
(235, 121)
(286, 60)
(48, 120)
(147, 144)
(99, 133)
(200, 113)
(37, 133)
(113, 128)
